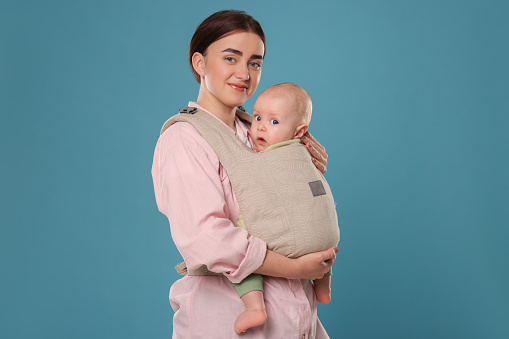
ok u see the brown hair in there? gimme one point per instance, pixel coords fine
(219, 25)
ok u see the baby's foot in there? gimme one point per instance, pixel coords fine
(248, 319)
(323, 298)
(322, 290)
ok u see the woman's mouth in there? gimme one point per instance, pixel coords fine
(238, 87)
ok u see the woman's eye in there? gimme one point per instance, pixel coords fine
(274, 121)
(230, 59)
(257, 118)
(255, 65)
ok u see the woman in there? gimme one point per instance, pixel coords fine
(194, 191)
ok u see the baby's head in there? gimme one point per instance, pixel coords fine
(282, 112)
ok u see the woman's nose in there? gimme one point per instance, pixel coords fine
(242, 73)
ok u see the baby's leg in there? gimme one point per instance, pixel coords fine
(250, 291)
(254, 315)
(322, 289)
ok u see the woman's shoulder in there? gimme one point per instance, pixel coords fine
(182, 140)
(183, 134)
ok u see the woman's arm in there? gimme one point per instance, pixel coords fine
(310, 266)
(193, 191)
(317, 151)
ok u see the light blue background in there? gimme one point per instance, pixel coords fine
(411, 100)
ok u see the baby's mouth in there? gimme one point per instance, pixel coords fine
(261, 141)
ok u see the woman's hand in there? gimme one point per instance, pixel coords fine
(310, 266)
(317, 152)
(314, 265)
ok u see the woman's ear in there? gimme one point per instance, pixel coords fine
(300, 131)
(198, 63)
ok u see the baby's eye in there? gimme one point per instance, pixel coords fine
(274, 121)
(257, 118)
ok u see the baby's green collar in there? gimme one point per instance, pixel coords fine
(281, 144)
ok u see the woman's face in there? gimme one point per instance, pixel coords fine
(231, 68)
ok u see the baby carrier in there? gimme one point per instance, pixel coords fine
(283, 197)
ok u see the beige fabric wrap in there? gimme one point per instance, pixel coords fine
(272, 189)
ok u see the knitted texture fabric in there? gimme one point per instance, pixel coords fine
(283, 197)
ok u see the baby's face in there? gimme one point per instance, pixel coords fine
(273, 121)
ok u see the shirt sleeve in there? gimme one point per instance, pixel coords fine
(189, 190)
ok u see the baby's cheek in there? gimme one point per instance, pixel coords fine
(283, 135)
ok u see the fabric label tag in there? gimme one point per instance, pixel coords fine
(317, 188)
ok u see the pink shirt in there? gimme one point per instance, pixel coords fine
(193, 190)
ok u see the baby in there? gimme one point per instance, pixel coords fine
(281, 116)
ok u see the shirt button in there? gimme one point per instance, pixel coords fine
(303, 336)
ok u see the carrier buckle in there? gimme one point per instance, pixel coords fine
(188, 110)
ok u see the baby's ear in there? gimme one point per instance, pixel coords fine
(300, 131)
